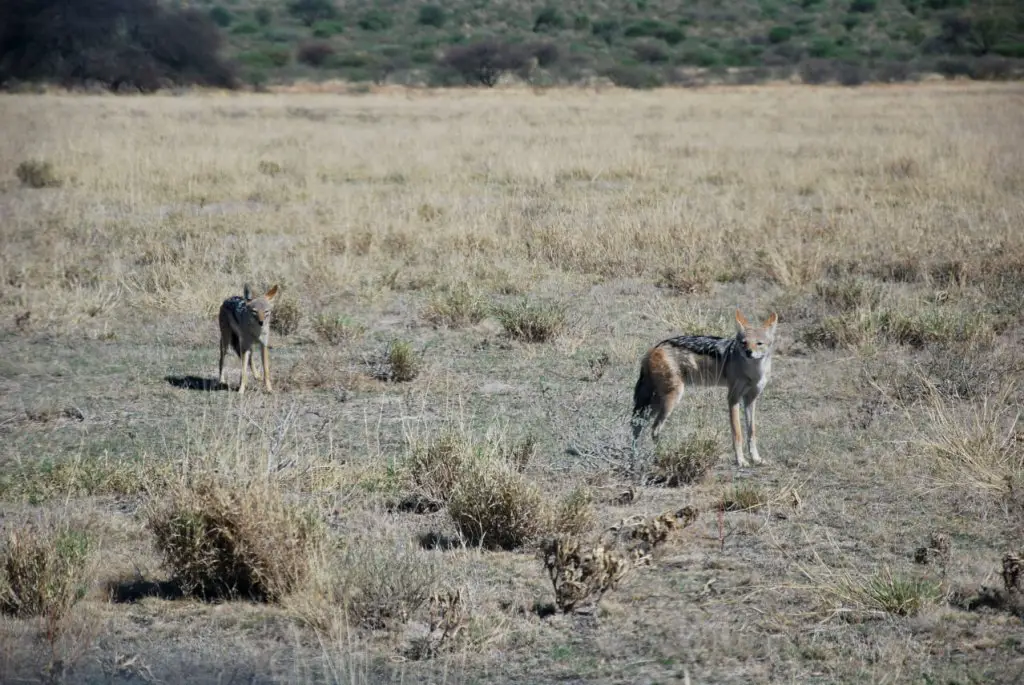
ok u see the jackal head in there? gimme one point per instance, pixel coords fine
(258, 309)
(757, 341)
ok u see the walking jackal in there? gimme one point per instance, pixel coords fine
(741, 364)
(245, 321)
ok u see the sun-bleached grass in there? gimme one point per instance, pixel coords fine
(178, 205)
(433, 219)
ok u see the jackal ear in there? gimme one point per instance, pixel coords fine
(246, 292)
(272, 293)
(772, 320)
(741, 321)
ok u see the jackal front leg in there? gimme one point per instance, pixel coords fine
(737, 433)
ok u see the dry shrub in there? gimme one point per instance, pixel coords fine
(237, 540)
(519, 453)
(401, 363)
(532, 321)
(286, 317)
(35, 173)
(456, 307)
(436, 465)
(742, 497)
(44, 570)
(975, 447)
(581, 575)
(382, 585)
(447, 616)
(684, 463)
(494, 506)
(575, 514)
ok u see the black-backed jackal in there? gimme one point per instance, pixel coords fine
(245, 321)
(741, 364)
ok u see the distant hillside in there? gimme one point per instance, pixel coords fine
(638, 42)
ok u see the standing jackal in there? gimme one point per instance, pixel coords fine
(245, 321)
(742, 364)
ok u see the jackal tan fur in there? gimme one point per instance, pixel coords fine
(742, 364)
(244, 322)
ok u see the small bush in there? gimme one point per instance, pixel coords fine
(315, 53)
(269, 167)
(437, 465)
(495, 507)
(384, 585)
(311, 11)
(606, 29)
(245, 28)
(532, 321)
(900, 595)
(44, 571)
(549, 19)
(37, 174)
(742, 497)
(326, 29)
(264, 15)
(337, 328)
(650, 53)
(376, 20)
(234, 540)
(431, 15)
(403, 363)
(636, 77)
(581, 575)
(780, 34)
(685, 463)
(863, 6)
(575, 514)
(286, 317)
(484, 62)
(456, 307)
(221, 16)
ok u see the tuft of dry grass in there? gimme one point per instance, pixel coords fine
(286, 317)
(533, 322)
(437, 464)
(456, 307)
(238, 540)
(575, 514)
(858, 597)
(743, 496)
(975, 446)
(36, 173)
(43, 570)
(494, 506)
(381, 585)
(403, 363)
(685, 462)
(337, 328)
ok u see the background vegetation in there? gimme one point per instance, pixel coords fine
(635, 43)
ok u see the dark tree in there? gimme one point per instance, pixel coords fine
(118, 43)
(485, 62)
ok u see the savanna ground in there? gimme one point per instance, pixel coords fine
(428, 236)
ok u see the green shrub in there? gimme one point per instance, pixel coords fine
(431, 15)
(221, 16)
(780, 34)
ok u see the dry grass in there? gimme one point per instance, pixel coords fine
(44, 570)
(524, 249)
(239, 540)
